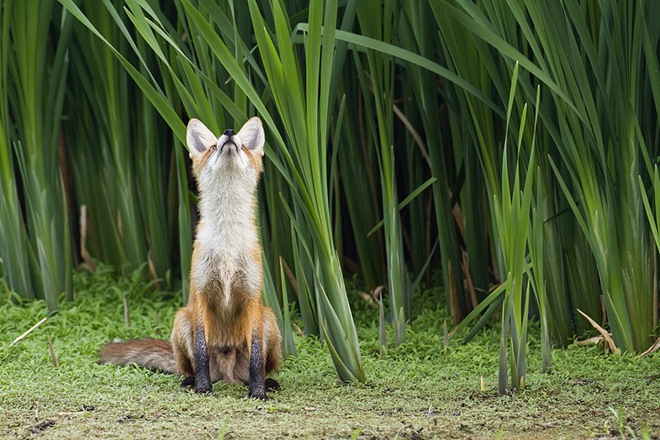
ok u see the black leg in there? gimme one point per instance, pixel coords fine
(257, 387)
(202, 375)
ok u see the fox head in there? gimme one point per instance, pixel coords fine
(232, 157)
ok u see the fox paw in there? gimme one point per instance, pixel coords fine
(189, 382)
(257, 392)
(272, 385)
(203, 390)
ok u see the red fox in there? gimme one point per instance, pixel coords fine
(225, 332)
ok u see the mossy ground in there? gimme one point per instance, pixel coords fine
(418, 390)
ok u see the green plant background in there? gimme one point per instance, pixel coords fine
(509, 146)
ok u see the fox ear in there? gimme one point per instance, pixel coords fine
(252, 135)
(199, 138)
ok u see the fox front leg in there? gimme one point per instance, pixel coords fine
(257, 386)
(201, 366)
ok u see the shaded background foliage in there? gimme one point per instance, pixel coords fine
(510, 146)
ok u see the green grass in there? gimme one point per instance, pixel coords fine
(418, 390)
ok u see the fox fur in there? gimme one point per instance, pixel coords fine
(224, 332)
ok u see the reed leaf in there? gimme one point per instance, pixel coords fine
(376, 21)
(14, 254)
(37, 68)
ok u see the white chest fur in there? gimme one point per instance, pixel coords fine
(227, 245)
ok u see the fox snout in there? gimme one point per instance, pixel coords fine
(229, 139)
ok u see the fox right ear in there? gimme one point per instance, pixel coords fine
(252, 135)
(199, 138)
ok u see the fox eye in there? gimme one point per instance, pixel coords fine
(214, 147)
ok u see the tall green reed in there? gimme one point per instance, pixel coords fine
(377, 21)
(110, 120)
(13, 237)
(418, 34)
(512, 211)
(594, 152)
(361, 184)
(303, 108)
(37, 66)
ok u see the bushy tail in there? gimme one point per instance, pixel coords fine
(149, 353)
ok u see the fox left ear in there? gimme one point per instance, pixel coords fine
(199, 138)
(252, 135)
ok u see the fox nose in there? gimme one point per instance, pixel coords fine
(229, 132)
